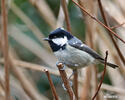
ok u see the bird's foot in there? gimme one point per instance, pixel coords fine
(70, 83)
(74, 71)
(64, 67)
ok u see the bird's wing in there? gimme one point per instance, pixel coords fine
(75, 42)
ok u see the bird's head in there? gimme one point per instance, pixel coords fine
(58, 39)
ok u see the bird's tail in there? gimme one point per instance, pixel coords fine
(109, 64)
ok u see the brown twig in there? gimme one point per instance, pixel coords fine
(63, 2)
(102, 77)
(105, 21)
(32, 66)
(27, 86)
(66, 82)
(117, 26)
(98, 21)
(5, 49)
(51, 85)
(75, 81)
(25, 83)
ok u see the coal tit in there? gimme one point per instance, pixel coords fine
(71, 51)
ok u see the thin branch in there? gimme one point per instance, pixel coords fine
(51, 85)
(105, 21)
(98, 21)
(26, 85)
(102, 77)
(63, 2)
(32, 66)
(115, 89)
(5, 49)
(117, 26)
(67, 20)
(66, 82)
(75, 79)
(37, 67)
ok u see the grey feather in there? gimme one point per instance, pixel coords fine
(74, 42)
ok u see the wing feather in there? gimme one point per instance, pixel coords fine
(75, 42)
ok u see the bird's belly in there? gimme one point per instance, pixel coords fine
(74, 58)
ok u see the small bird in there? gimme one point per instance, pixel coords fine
(71, 51)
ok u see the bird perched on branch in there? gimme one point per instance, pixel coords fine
(71, 51)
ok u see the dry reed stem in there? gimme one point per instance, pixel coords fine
(2, 84)
(98, 21)
(86, 85)
(66, 82)
(32, 66)
(51, 85)
(106, 40)
(63, 2)
(117, 26)
(36, 67)
(121, 5)
(32, 46)
(60, 18)
(27, 86)
(105, 21)
(29, 23)
(45, 12)
(67, 20)
(115, 76)
(110, 88)
(102, 77)
(5, 49)
(90, 26)
(110, 8)
(75, 81)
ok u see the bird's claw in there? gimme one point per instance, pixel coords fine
(64, 67)
(70, 83)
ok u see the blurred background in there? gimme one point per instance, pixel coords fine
(29, 21)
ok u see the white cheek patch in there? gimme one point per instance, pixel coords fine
(60, 41)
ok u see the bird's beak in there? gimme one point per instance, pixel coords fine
(46, 39)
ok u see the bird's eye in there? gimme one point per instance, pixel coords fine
(55, 37)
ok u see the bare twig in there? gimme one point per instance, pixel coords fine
(37, 67)
(66, 15)
(5, 49)
(75, 79)
(67, 20)
(98, 21)
(66, 82)
(31, 66)
(51, 85)
(105, 21)
(117, 26)
(27, 86)
(102, 77)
